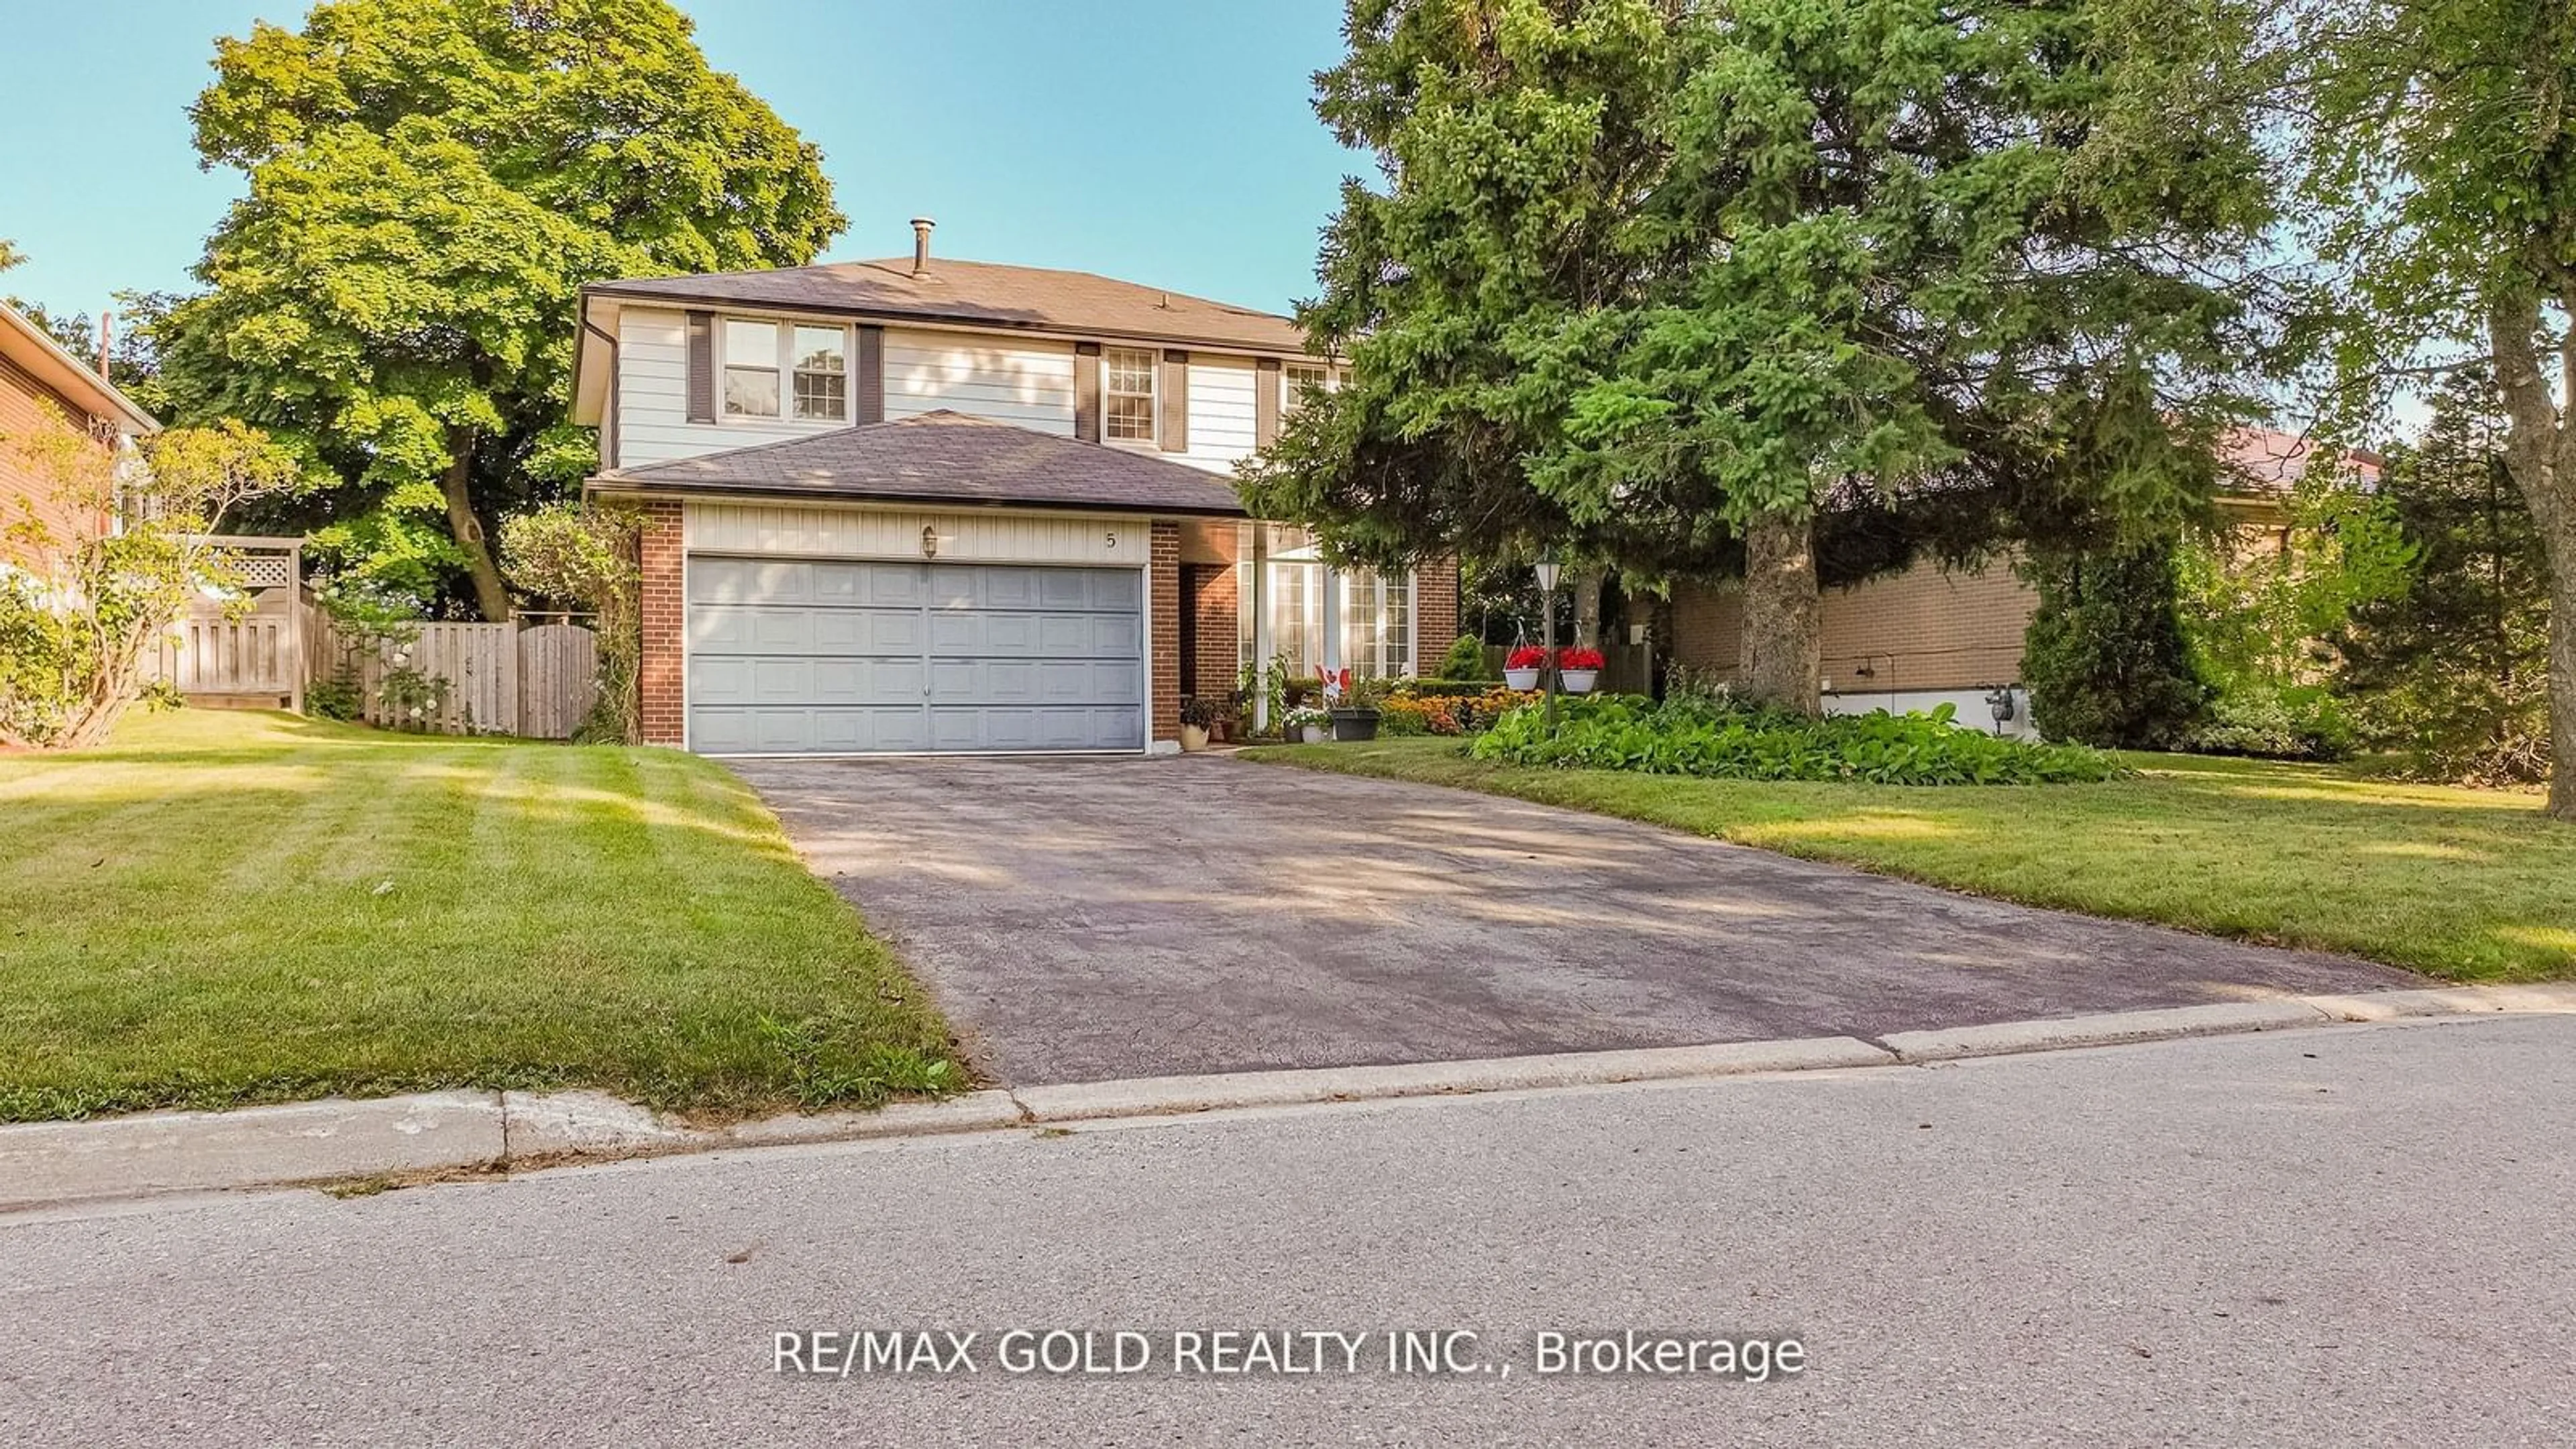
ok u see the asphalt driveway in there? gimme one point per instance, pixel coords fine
(1095, 918)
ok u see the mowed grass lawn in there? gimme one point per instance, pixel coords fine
(222, 908)
(2473, 885)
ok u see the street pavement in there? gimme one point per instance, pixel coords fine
(2341, 1236)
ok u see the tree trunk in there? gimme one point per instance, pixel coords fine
(1587, 609)
(491, 596)
(2540, 450)
(1783, 615)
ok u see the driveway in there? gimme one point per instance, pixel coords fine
(1095, 918)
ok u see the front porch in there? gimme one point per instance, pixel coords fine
(1256, 593)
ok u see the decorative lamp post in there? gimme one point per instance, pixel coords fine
(1547, 574)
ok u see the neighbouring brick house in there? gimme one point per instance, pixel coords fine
(906, 505)
(36, 371)
(1929, 636)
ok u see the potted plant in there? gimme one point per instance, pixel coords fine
(1198, 716)
(1355, 714)
(1307, 723)
(1576, 669)
(1521, 668)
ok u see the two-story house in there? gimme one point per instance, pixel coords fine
(38, 380)
(927, 505)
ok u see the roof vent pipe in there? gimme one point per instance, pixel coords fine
(921, 226)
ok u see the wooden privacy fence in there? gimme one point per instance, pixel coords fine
(255, 655)
(499, 678)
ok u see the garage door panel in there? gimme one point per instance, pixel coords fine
(826, 656)
(1034, 636)
(779, 629)
(1009, 727)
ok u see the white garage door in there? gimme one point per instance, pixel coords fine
(812, 656)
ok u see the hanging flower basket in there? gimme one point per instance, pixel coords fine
(1578, 669)
(1521, 669)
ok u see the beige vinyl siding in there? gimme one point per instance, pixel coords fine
(978, 536)
(1220, 412)
(1006, 380)
(652, 394)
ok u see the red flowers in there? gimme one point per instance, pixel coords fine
(1530, 656)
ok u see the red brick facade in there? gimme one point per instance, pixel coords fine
(1435, 605)
(1163, 585)
(1214, 644)
(661, 679)
(24, 497)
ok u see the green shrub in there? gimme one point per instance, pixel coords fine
(1450, 688)
(1629, 732)
(2273, 724)
(1465, 660)
(339, 699)
(2105, 656)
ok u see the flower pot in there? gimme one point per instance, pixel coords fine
(1521, 678)
(1577, 681)
(1311, 734)
(1354, 724)
(1194, 738)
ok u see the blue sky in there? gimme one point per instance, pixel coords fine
(1163, 141)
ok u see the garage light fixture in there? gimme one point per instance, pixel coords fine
(929, 540)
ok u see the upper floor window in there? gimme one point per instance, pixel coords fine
(1127, 376)
(814, 360)
(750, 369)
(822, 373)
(1296, 377)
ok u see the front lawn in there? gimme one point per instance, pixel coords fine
(221, 908)
(2467, 884)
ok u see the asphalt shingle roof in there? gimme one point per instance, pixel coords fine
(943, 457)
(985, 293)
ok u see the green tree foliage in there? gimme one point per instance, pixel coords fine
(1796, 288)
(2440, 157)
(430, 184)
(589, 558)
(1465, 659)
(2454, 671)
(2261, 602)
(2105, 657)
(78, 626)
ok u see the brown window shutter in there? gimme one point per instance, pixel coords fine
(1174, 401)
(1086, 391)
(871, 375)
(702, 367)
(1265, 402)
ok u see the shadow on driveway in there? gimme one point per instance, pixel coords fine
(1086, 919)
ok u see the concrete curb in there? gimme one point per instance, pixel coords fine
(1170, 1096)
(162, 1152)
(48, 1163)
(2111, 1029)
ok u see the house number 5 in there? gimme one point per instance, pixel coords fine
(1109, 539)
